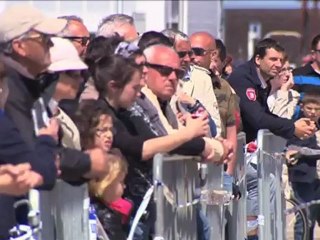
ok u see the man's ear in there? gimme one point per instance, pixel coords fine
(257, 60)
(19, 47)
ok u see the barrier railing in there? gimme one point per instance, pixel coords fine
(271, 217)
(238, 208)
(215, 210)
(64, 212)
(177, 196)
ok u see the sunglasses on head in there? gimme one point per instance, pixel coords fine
(200, 51)
(166, 70)
(182, 54)
(82, 40)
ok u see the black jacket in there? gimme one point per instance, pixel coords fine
(13, 150)
(23, 94)
(110, 220)
(255, 113)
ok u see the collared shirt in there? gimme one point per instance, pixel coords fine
(264, 84)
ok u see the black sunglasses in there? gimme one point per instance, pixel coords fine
(182, 54)
(166, 71)
(200, 51)
(82, 40)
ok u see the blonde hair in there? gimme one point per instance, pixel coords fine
(117, 165)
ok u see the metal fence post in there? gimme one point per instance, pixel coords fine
(176, 180)
(269, 171)
(65, 212)
(238, 225)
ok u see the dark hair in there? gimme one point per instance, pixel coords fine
(87, 118)
(267, 43)
(222, 49)
(311, 98)
(101, 47)
(152, 38)
(115, 68)
(315, 42)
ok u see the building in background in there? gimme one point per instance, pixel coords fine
(294, 23)
(187, 16)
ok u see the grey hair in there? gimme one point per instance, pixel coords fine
(151, 51)
(108, 25)
(72, 18)
(175, 35)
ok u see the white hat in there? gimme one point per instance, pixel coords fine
(19, 19)
(64, 56)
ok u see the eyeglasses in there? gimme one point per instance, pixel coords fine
(166, 70)
(106, 130)
(201, 51)
(182, 54)
(82, 40)
(43, 38)
(284, 70)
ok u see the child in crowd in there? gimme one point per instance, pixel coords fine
(310, 107)
(96, 130)
(303, 174)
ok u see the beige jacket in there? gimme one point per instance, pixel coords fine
(217, 145)
(71, 135)
(200, 87)
(283, 103)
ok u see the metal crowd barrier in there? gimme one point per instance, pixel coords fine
(177, 196)
(271, 217)
(237, 227)
(215, 210)
(64, 212)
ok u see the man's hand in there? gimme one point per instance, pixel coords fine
(304, 128)
(52, 129)
(197, 127)
(99, 163)
(18, 179)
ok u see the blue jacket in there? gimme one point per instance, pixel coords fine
(254, 110)
(14, 150)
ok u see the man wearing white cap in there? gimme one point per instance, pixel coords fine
(24, 46)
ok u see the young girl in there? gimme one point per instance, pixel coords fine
(106, 195)
(96, 130)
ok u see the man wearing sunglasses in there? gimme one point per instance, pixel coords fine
(25, 42)
(196, 82)
(77, 33)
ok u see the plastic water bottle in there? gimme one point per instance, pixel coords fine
(92, 224)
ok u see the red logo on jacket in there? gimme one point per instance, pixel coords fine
(251, 94)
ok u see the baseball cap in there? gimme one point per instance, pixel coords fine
(64, 56)
(19, 19)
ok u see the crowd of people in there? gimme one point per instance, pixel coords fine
(95, 109)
